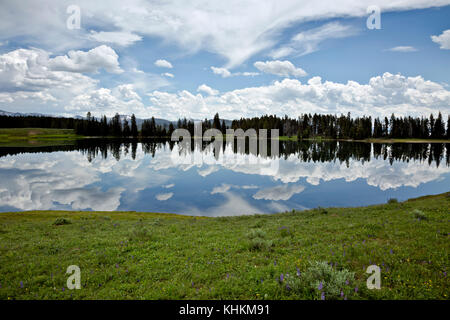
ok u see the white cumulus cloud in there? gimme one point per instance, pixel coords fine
(381, 96)
(163, 64)
(87, 61)
(280, 68)
(443, 39)
(208, 90)
(223, 72)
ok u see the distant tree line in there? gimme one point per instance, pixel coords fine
(346, 127)
(151, 129)
(114, 127)
(304, 127)
(215, 123)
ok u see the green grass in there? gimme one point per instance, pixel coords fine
(129, 255)
(26, 137)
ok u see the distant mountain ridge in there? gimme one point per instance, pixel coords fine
(18, 114)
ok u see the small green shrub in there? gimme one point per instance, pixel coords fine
(392, 201)
(419, 214)
(322, 210)
(158, 222)
(61, 221)
(140, 232)
(320, 278)
(284, 232)
(257, 233)
(372, 229)
(258, 224)
(258, 244)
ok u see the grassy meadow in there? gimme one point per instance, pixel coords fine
(29, 137)
(314, 254)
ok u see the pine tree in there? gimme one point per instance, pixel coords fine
(134, 129)
(448, 127)
(439, 127)
(116, 125)
(216, 121)
(432, 133)
(126, 128)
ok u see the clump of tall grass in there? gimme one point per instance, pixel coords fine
(140, 232)
(61, 221)
(420, 215)
(320, 279)
(257, 233)
(260, 244)
(258, 240)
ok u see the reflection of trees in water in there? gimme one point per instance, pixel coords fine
(305, 151)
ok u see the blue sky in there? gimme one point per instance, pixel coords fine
(108, 64)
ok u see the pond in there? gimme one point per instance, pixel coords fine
(163, 176)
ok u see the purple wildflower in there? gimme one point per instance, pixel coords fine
(320, 286)
(356, 289)
(288, 287)
(281, 278)
(346, 282)
(322, 296)
(298, 272)
(342, 294)
(392, 252)
(21, 284)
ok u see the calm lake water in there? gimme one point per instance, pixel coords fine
(160, 176)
